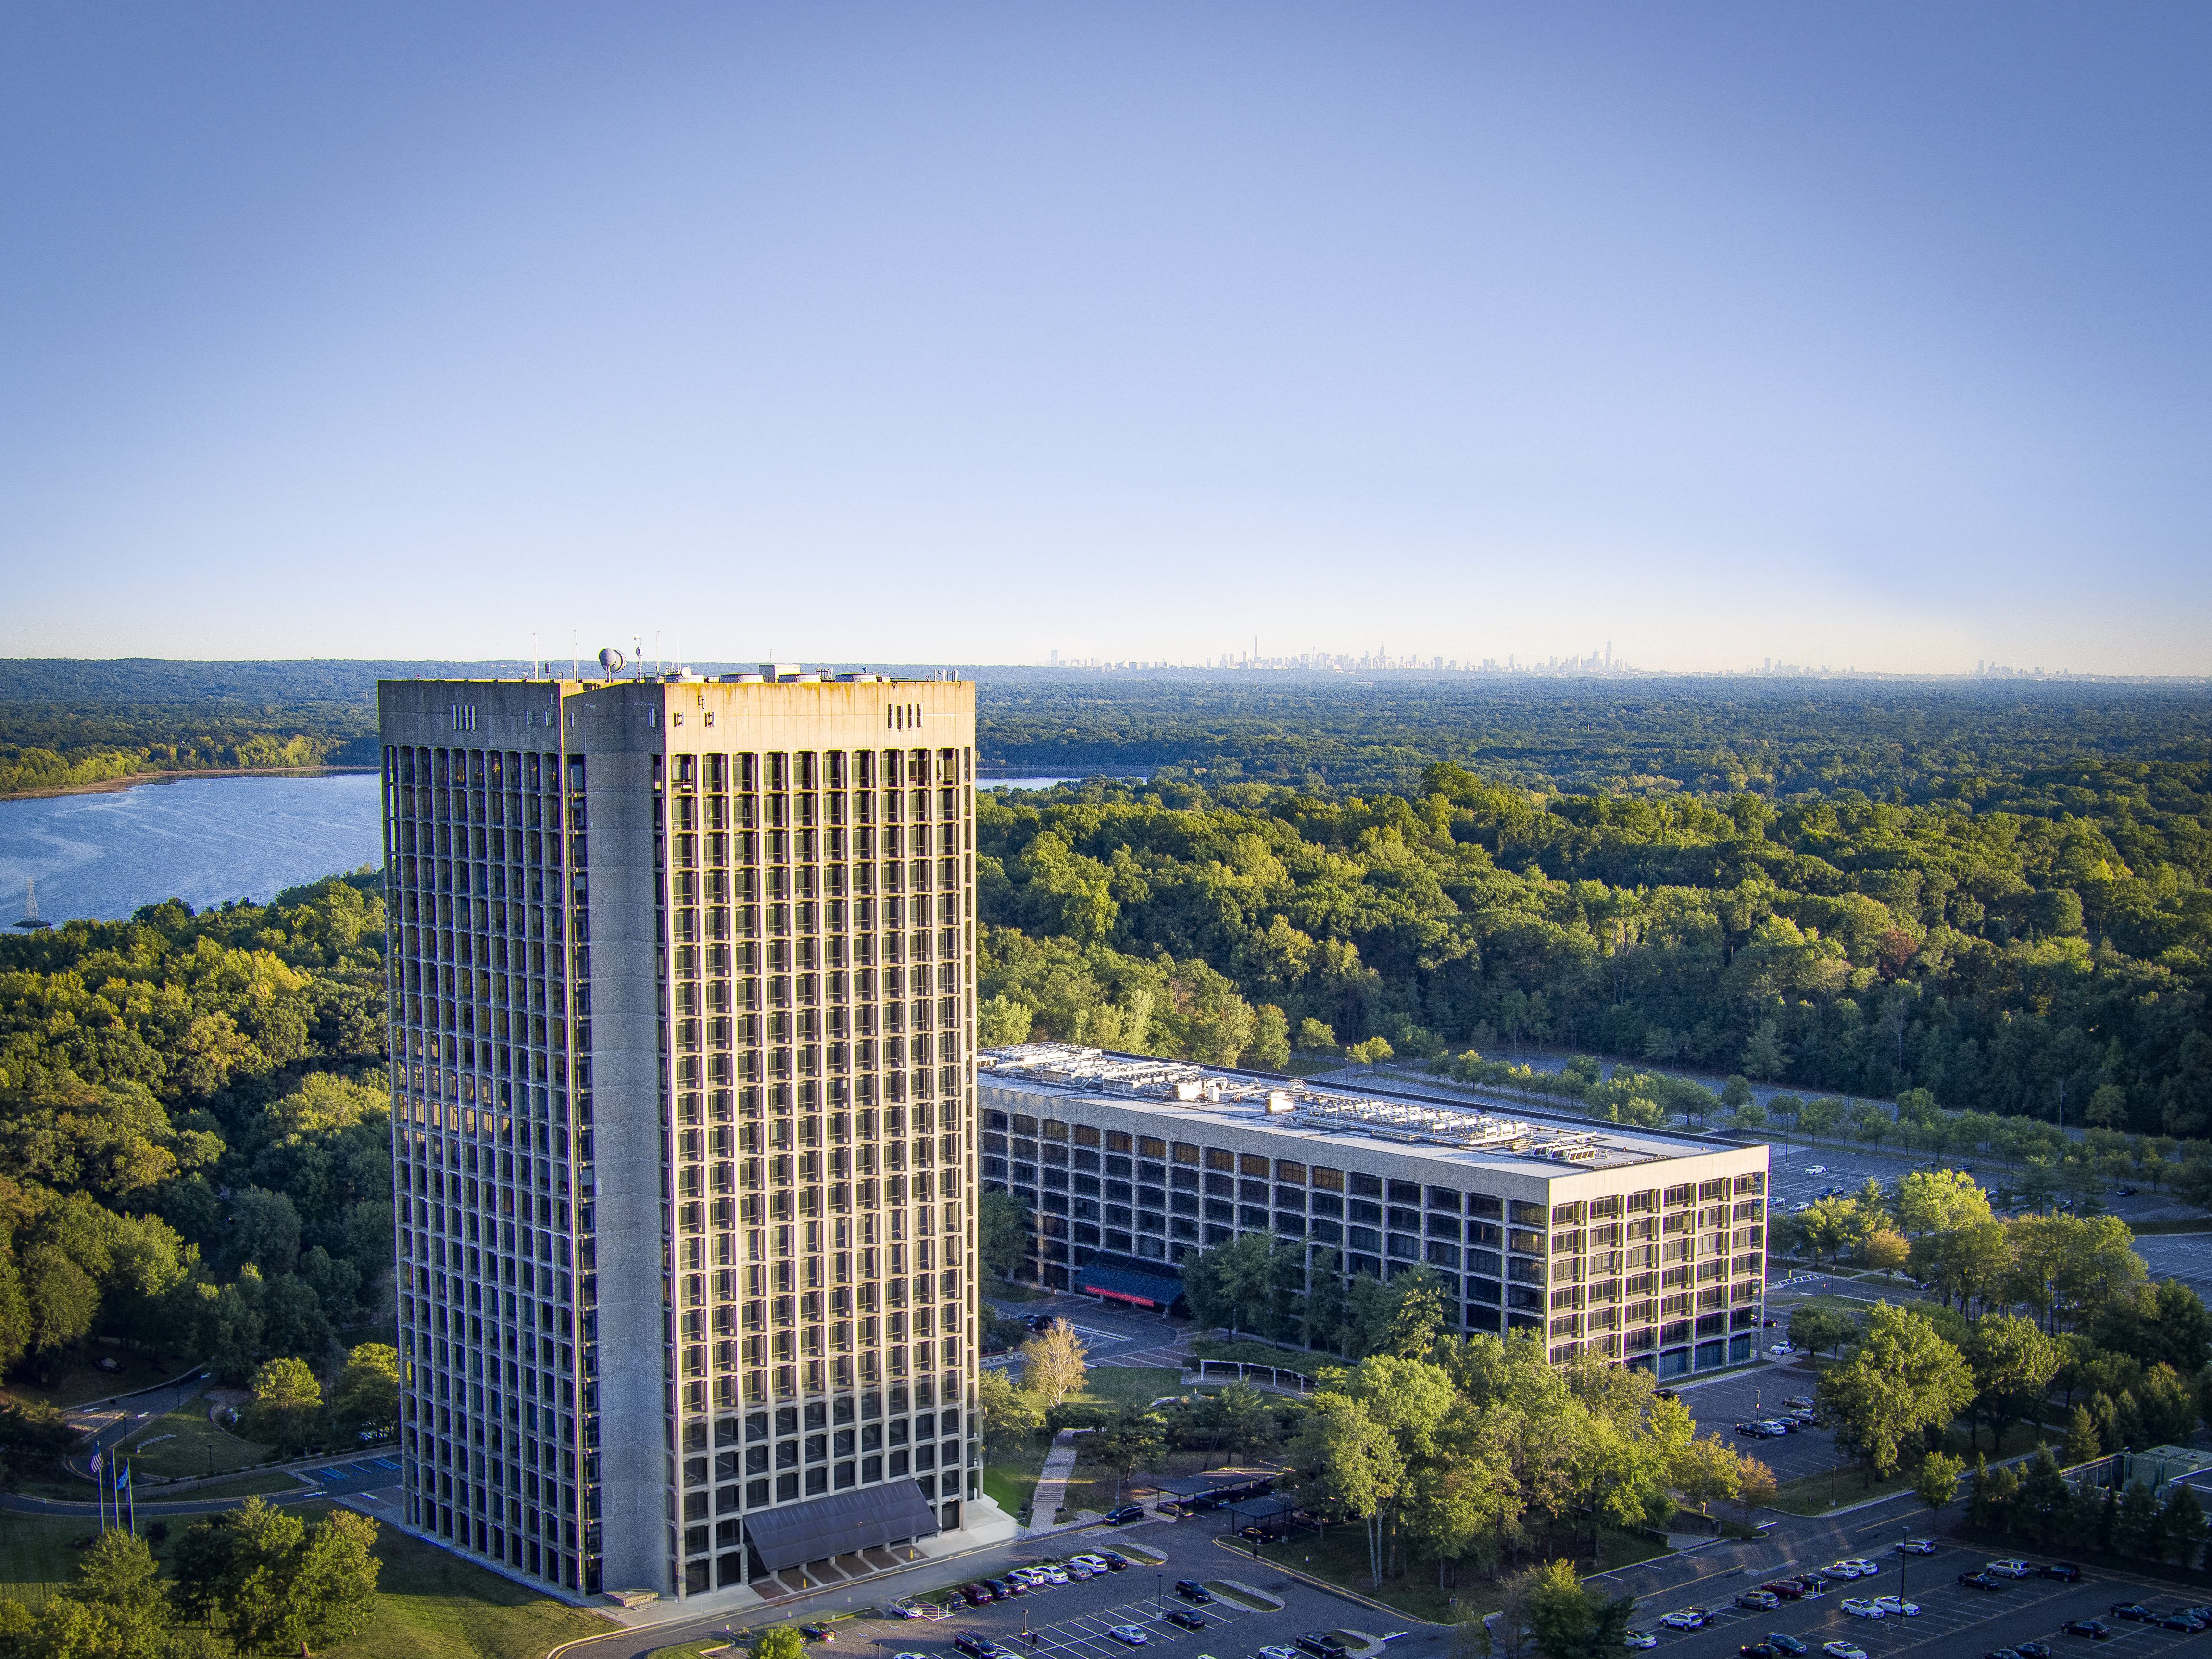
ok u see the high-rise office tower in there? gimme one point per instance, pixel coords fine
(681, 1014)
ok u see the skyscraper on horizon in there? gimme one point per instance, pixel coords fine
(682, 1013)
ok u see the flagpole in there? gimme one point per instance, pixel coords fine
(99, 1485)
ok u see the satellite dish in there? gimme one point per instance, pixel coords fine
(612, 660)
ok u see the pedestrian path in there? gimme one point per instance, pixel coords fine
(1052, 1482)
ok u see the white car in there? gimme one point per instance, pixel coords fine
(2012, 1568)
(1842, 1570)
(1129, 1636)
(1688, 1619)
(1096, 1563)
(1859, 1607)
(1054, 1575)
(1280, 1653)
(1917, 1547)
(1785, 1349)
(1816, 1169)
(1842, 1649)
(1896, 1608)
(1639, 1638)
(1866, 1569)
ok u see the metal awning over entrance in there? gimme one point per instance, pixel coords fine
(1119, 1283)
(840, 1524)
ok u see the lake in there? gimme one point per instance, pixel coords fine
(202, 840)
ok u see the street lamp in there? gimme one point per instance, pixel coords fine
(1160, 1593)
(1903, 1556)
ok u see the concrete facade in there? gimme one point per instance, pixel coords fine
(1646, 1246)
(681, 1005)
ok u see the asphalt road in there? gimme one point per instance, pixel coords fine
(127, 1414)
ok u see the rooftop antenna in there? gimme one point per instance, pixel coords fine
(576, 658)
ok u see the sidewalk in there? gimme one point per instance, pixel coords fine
(1052, 1482)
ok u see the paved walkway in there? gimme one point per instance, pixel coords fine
(1052, 1482)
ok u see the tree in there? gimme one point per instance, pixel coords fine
(1004, 1229)
(1756, 1487)
(1936, 1482)
(1940, 1200)
(1901, 1381)
(1052, 1363)
(1351, 1463)
(1707, 1471)
(1271, 1038)
(1314, 1037)
(2082, 1445)
(287, 1400)
(2181, 1523)
(1010, 1415)
(1885, 1250)
(2136, 1527)
(367, 1394)
(117, 1576)
(2013, 1364)
(1571, 1620)
(1369, 1054)
(1815, 1328)
(1132, 1442)
(15, 1324)
(1001, 1022)
(62, 1297)
(1325, 1306)
(1817, 1117)
(780, 1642)
(1736, 1092)
(1764, 1055)
(334, 1584)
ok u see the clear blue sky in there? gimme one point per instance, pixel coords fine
(1859, 333)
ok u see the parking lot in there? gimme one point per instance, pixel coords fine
(1720, 1405)
(1953, 1620)
(2181, 1256)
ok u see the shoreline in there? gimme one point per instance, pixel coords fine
(137, 779)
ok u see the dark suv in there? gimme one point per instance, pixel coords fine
(1191, 1590)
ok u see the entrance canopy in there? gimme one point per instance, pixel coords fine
(1130, 1285)
(840, 1524)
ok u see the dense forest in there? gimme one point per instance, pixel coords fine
(2012, 743)
(2002, 955)
(195, 1146)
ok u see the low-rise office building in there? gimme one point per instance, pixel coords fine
(1647, 1247)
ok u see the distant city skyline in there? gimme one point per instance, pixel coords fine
(1867, 336)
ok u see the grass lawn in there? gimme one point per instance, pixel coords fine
(1817, 1494)
(35, 1558)
(1249, 1352)
(72, 1385)
(429, 1606)
(1010, 1479)
(432, 1606)
(239, 1485)
(189, 1444)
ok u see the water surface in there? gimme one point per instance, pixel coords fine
(202, 840)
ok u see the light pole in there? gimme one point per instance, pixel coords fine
(1903, 1556)
(1160, 1593)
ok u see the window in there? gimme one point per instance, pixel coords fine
(1219, 1159)
(1285, 1170)
(1185, 1153)
(1252, 1163)
(1148, 1146)
(1328, 1179)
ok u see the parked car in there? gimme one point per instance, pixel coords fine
(1790, 1589)
(1843, 1649)
(1783, 1349)
(1859, 1607)
(1126, 1514)
(1115, 1563)
(2065, 1571)
(2033, 1650)
(1815, 1583)
(1757, 1651)
(2002, 1653)
(1322, 1644)
(2095, 1629)
(2179, 1618)
(1278, 1653)
(1638, 1639)
(1865, 1568)
(2012, 1568)
(1781, 1644)
(1186, 1619)
(1688, 1618)
(1981, 1580)
(1816, 1169)
(975, 1645)
(1758, 1600)
(1129, 1636)
(976, 1595)
(1917, 1547)
(1897, 1607)
(817, 1632)
(2134, 1611)
(1191, 1590)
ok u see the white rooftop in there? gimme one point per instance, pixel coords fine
(1299, 1107)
